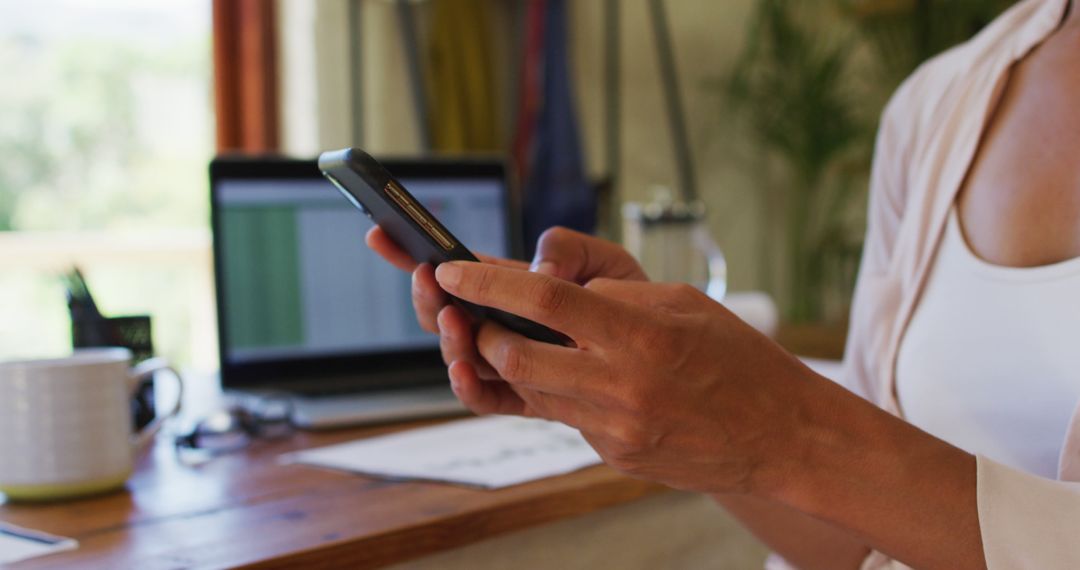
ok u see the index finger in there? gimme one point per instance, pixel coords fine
(561, 305)
(381, 243)
(501, 261)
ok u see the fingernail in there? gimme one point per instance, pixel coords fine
(546, 267)
(448, 274)
(454, 384)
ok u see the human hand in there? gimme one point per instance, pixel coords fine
(663, 382)
(562, 253)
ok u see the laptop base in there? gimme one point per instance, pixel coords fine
(363, 408)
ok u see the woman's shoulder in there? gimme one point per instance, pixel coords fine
(942, 83)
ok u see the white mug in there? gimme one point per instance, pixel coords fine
(66, 426)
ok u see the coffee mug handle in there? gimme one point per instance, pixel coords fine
(141, 373)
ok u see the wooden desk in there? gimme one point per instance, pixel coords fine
(246, 510)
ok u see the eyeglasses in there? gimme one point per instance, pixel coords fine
(234, 428)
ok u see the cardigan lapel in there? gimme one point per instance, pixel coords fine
(940, 173)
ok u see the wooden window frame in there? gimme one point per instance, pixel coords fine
(245, 76)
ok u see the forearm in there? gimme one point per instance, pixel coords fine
(889, 484)
(805, 542)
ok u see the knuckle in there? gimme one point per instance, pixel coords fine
(664, 342)
(684, 291)
(511, 361)
(684, 288)
(659, 332)
(643, 332)
(427, 326)
(627, 436)
(599, 284)
(618, 461)
(549, 297)
(621, 434)
(424, 319)
(484, 283)
(625, 457)
(449, 349)
(421, 305)
(638, 402)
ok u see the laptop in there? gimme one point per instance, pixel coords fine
(307, 311)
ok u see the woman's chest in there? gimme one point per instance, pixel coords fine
(1020, 202)
(989, 360)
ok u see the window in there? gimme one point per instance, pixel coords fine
(106, 129)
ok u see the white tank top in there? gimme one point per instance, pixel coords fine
(990, 361)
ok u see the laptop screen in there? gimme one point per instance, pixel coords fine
(296, 281)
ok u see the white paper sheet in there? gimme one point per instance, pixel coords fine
(489, 452)
(18, 543)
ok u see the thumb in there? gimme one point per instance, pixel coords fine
(577, 257)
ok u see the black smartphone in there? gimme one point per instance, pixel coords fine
(365, 183)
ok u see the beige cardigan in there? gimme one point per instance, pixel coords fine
(928, 137)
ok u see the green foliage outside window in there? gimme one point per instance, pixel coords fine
(105, 128)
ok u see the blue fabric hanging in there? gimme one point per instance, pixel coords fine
(556, 190)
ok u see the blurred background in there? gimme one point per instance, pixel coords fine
(764, 110)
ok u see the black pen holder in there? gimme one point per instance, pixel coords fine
(132, 333)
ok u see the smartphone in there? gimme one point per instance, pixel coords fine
(365, 183)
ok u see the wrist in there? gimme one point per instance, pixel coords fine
(833, 439)
(893, 486)
(815, 435)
